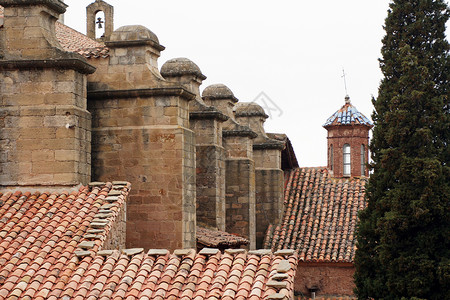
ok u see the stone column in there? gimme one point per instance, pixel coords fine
(268, 172)
(45, 128)
(206, 122)
(141, 134)
(239, 165)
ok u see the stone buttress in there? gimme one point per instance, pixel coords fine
(239, 165)
(141, 134)
(268, 172)
(44, 123)
(206, 122)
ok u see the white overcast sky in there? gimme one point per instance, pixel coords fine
(293, 51)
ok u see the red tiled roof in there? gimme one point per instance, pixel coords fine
(320, 216)
(41, 235)
(219, 239)
(74, 41)
(182, 275)
(50, 249)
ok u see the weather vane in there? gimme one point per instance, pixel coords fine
(345, 81)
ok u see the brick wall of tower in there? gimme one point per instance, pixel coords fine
(355, 136)
(330, 279)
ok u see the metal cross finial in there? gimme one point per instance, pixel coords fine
(345, 81)
(99, 22)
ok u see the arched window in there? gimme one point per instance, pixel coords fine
(331, 158)
(363, 160)
(347, 160)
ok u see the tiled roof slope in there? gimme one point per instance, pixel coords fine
(320, 216)
(41, 235)
(182, 275)
(348, 115)
(74, 41)
(219, 239)
(50, 249)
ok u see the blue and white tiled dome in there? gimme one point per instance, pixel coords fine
(348, 115)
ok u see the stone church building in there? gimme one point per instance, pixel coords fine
(161, 166)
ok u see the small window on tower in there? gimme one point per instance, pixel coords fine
(347, 160)
(331, 158)
(363, 160)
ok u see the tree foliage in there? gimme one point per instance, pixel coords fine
(404, 233)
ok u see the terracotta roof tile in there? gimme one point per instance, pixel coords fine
(219, 239)
(320, 216)
(39, 237)
(74, 41)
(172, 276)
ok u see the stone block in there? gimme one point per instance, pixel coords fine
(133, 251)
(284, 266)
(276, 284)
(86, 245)
(66, 155)
(157, 252)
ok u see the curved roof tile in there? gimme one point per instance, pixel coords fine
(320, 216)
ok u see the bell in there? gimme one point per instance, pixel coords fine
(99, 22)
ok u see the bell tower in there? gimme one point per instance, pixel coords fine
(96, 22)
(348, 139)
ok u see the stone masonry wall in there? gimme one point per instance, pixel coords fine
(240, 198)
(141, 134)
(210, 186)
(331, 279)
(210, 169)
(44, 128)
(117, 235)
(269, 201)
(130, 144)
(44, 124)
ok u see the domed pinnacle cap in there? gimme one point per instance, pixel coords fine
(181, 66)
(347, 115)
(250, 109)
(217, 92)
(134, 35)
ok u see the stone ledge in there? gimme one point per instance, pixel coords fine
(201, 115)
(269, 144)
(58, 6)
(124, 94)
(29, 64)
(134, 43)
(244, 133)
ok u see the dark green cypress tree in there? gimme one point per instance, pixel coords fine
(404, 233)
